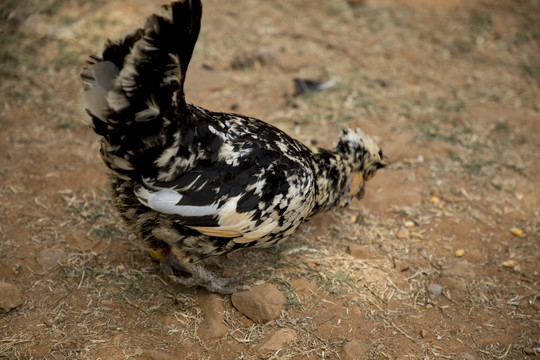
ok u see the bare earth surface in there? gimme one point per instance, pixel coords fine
(450, 89)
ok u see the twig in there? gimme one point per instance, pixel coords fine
(135, 305)
(403, 332)
(375, 294)
(82, 278)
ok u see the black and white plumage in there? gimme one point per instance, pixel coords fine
(193, 183)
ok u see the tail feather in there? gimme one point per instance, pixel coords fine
(137, 81)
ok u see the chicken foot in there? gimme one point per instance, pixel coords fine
(199, 276)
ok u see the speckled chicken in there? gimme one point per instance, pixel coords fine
(192, 183)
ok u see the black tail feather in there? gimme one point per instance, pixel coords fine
(152, 61)
(137, 81)
(184, 13)
(157, 63)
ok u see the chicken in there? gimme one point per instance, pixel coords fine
(192, 183)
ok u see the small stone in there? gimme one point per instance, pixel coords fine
(536, 304)
(275, 341)
(528, 302)
(423, 333)
(261, 304)
(10, 297)
(529, 351)
(400, 266)
(212, 326)
(49, 258)
(435, 289)
(352, 350)
(402, 235)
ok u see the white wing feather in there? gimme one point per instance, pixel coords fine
(231, 223)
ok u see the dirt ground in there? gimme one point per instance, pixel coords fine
(425, 267)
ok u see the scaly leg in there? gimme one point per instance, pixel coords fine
(200, 276)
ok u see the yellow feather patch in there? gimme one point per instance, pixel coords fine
(157, 254)
(215, 231)
(357, 180)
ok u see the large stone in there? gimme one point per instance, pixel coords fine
(261, 304)
(10, 297)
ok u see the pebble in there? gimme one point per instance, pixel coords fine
(400, 266)
(352, 350)
(529, 351)
(49, 258)
(435, 289)
(10, 297)
(261, 304)
(212, 327)
(275, 341)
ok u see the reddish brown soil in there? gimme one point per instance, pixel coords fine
(450, 89)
